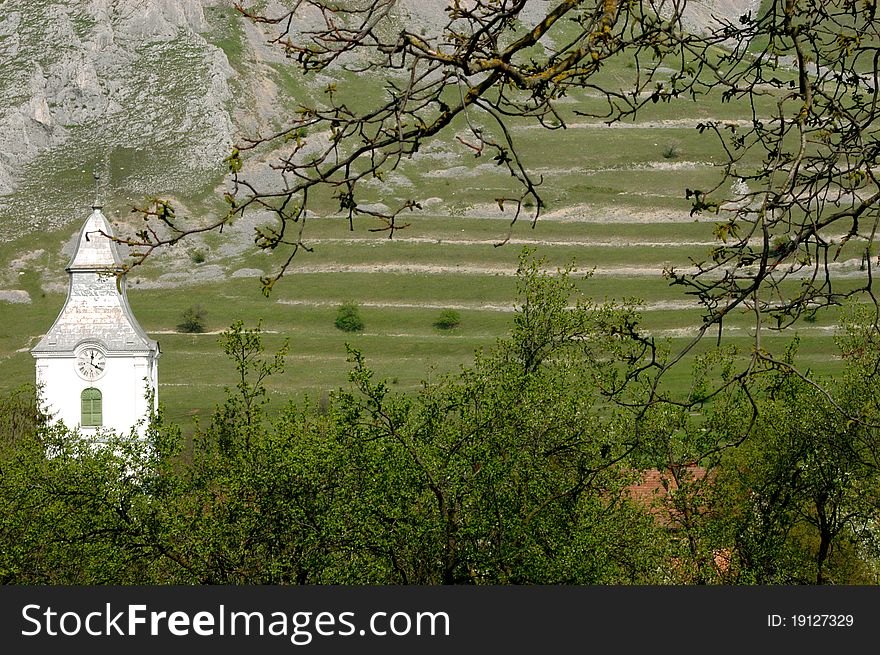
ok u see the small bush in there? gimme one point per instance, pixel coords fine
(348, 318)
(197, 256)
(448, 320)
(193, 321)
(671, 151)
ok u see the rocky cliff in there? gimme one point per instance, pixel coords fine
(151, 93)
(139, 89)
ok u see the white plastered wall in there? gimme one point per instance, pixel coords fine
(123, 390)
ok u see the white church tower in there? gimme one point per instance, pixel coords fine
(96, 365)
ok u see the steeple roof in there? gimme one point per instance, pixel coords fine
(94, 251)
(96, 309)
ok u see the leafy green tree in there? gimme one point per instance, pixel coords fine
(20, 416)
(255, 514)
(797, 501)
(507, 472)
(245, 349)
(70, 510)
(496, 477)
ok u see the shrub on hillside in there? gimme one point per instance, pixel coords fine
(448, 319)
(671, 151)
(348, 318)
(193, 320)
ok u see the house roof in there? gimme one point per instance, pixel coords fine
(655, 489)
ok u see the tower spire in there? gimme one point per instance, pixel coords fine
(97, 203)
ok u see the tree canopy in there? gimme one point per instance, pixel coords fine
(513, 471)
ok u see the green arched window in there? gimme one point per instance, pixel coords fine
(91, 407)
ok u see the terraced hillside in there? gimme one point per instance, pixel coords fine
(198, 78)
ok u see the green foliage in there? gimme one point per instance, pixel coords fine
(68, 518)
(516, 470)
(447, 320)
(233, 161)
(20, 416)
(193, 320)
(348, 318)
(501, 474)
(780, 245)
(798, 499)
(240, 415)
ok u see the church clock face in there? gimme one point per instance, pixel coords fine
(90, 363)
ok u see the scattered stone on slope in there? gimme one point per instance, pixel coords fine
(16, 296)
